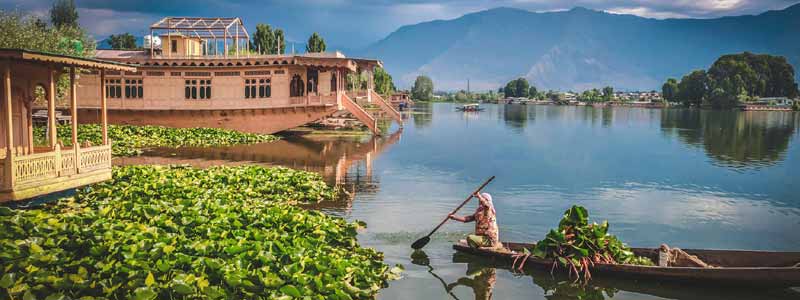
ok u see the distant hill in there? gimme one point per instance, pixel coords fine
(577, 49)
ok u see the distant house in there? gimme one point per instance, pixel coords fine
(399, 99)
(779, 101)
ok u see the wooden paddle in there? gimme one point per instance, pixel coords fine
(424, 240)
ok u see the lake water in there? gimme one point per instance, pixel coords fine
(687, 178)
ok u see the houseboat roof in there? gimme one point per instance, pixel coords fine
(325, 59)
(73, 61)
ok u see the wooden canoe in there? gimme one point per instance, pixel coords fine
(735, 267)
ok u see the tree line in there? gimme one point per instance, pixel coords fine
(734, 79)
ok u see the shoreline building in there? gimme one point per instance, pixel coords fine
(203, 75)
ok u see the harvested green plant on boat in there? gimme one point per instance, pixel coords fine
(127, 140)
(183, 233)
(577, 245)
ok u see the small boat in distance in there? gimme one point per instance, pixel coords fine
(470, 107)
(732, 267)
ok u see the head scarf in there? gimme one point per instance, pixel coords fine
(489, 200)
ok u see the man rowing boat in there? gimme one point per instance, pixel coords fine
(485, 217)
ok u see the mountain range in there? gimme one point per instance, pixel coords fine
(576, 49)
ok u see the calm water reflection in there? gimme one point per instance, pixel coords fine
(689, 178)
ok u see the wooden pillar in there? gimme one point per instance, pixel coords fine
(9, 108)
(9, 161)
(152, 41)
(29, 119)
(73, 97)
(103, 106)
(237, 41)
(369, 86)
(225, 42)
(52, 130)
(169, 41)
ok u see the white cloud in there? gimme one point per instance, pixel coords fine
(645, 12)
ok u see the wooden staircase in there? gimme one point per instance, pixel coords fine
(386, 107)
(360, 114)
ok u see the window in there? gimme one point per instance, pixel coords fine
(134, 88)
(296, 87)
(264, 88)
(257, 88)
(174, 45)
(333, 82)
(114, 88)
(197, 89)
(312, 76)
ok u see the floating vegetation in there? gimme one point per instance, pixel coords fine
(128, 140)
(577, 245)
(183, 233)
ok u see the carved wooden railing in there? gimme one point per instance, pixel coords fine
(29, 169)
(360, 114)
(393, 113)
(34, 167)
(94, 158)
(68, 165)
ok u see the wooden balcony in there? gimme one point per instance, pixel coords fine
(42, 173)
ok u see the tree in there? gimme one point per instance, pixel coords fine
(383, 81)
(122, 41)
(608, 93)
(517, 88)
(510, 90)
(264, 40)
(423, 88)
(280, 40)
(735, 78)
(670, 90)
(522, 87)
(315, 44)
(693, 88)
(533, 92)
(461, 96)
(267, 40)
(64, 13)
(25, 32)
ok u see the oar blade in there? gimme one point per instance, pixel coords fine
(420, 243)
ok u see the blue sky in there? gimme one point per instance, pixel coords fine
(348, 24)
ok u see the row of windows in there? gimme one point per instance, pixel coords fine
(264, 87)
(133, 88)
(195, 88)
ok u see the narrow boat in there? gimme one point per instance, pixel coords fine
(733, 267)
(470, 107)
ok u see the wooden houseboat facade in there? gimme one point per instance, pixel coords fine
(190, 83)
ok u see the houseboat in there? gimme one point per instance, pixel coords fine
(201, 76)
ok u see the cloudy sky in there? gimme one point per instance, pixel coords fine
(356, 23)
